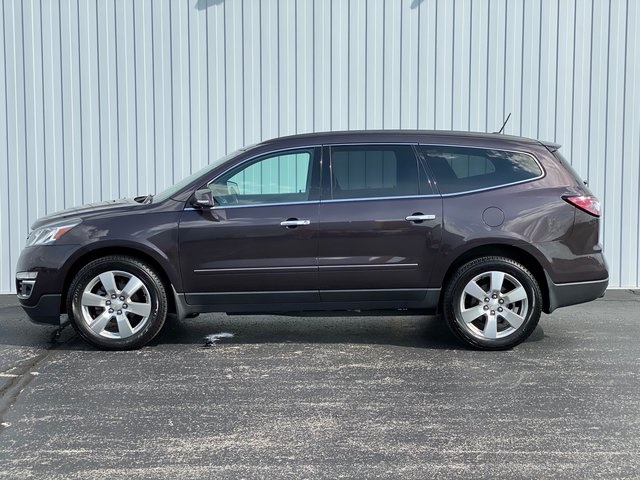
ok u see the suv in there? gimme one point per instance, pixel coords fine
(488, 229)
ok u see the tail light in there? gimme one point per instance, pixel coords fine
(589, 204)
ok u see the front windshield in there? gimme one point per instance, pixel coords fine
(176, 187)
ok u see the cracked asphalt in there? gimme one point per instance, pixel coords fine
(325, 397)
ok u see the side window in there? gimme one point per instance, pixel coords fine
(373, 171)
(275, 178)
(461, 169)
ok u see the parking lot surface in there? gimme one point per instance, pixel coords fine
(325, 397)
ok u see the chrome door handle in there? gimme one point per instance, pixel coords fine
(419, 218)
(295, 223)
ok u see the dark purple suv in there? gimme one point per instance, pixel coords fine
(490, 230)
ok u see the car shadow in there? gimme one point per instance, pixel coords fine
(414, 331)
(430, 332)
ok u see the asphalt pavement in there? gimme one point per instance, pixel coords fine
(325, 397)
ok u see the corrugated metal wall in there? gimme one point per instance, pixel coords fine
(109, 98)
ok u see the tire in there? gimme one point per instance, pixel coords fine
(117, 302)
(501, 312)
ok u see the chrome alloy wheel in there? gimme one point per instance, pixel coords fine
(115, 304)
(493, 305)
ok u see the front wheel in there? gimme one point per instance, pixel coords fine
(492, 303)
(117, 303)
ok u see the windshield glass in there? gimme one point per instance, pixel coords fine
(176, 187)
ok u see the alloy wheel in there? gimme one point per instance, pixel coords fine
(115, 304)
(493, 305)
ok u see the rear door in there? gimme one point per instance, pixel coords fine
(380, 225)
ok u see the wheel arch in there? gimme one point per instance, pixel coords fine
(104, 251)
(520, 255)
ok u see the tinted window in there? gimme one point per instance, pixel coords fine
(375, 171)
(459, 169)
(276, 178)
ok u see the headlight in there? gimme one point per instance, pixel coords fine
(50, 234)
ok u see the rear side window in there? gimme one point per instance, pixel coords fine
(373, 171)
(462, 169)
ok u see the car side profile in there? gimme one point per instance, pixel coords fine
(489, 230)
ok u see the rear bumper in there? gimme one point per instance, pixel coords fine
(565, 294)
(45, 310)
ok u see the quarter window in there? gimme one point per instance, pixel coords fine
(373, 171)
(284, 177)
(461, 169)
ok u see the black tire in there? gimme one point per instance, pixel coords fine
(153, 295)
(472, 333)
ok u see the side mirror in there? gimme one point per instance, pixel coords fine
(204, 198)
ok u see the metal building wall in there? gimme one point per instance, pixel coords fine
(108, 98)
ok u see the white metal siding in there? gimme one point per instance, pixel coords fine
(102, 99)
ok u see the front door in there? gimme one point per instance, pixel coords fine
(259, 244)
(380, 226)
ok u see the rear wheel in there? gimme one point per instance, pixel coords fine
(117, 303)
(492, 303)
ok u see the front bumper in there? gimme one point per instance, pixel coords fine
(46, 310)
(565, 294)
(44, 302)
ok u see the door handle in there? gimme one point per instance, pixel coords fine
(419, 217)
(294, 222)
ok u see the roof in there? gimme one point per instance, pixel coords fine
(356, 136)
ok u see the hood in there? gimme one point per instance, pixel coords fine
(83, 211)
